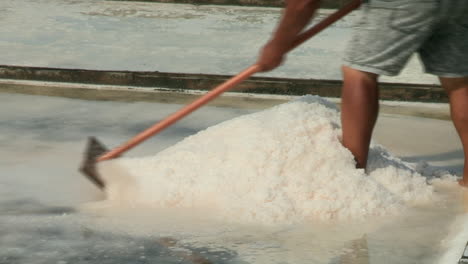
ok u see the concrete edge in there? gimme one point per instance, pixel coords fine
(178, 96)
(194, 81)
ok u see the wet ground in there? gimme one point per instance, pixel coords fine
(46, 214)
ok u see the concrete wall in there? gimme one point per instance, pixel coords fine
(266, 3)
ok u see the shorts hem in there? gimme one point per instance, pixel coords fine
(448, 75)
(370, 69)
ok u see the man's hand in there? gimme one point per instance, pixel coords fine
(296, 16)
(271, 56)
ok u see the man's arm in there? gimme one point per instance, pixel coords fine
(296, 16)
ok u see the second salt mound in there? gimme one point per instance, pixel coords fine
(281, 165)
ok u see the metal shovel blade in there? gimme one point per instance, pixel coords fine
(94, 149)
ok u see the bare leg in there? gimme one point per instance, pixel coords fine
(359, 110)
(457, 89)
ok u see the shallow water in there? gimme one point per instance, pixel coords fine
(50, 214)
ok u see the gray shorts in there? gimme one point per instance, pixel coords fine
(390, 31)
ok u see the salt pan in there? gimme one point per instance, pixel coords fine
(282, 165)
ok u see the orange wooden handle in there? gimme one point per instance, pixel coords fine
(325, 23)
(181, 113)
(223, 87)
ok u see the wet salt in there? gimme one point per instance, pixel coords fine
(282, 165)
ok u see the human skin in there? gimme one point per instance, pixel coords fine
(295, 18)
(457, 90)
(360, 94)
(359, 110)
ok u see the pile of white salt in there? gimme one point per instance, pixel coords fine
(282, 165)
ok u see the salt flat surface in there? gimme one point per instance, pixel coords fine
(118, 35)
(50, 214)
(456, 246)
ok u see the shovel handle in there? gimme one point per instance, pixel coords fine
(337, 15)
(181, 113)
(224, 86)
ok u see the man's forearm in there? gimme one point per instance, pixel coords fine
(296, 16)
